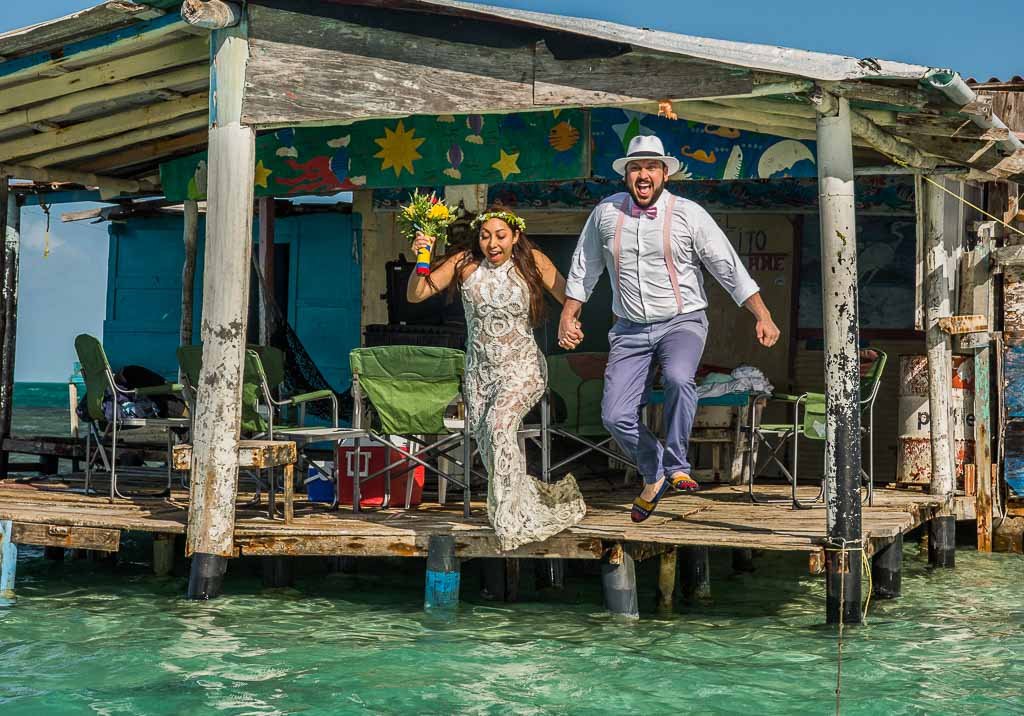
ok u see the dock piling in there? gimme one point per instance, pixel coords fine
(742, 560)
(278, 572)
(443, 574)
(667, 579)
(8, 561)
(618, 577)
(206, 576)
(942, 541)
(842, 361)
(887, 570)
(696, 573)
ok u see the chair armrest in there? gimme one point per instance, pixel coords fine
(804, 397)
(307, 397)
(165, 389)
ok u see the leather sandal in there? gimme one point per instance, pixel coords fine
(642, 509)
(681, 482)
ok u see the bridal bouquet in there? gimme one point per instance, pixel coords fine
(427, 214)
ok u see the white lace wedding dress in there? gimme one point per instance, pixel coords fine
(505, 377)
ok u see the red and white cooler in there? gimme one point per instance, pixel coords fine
(375, 456)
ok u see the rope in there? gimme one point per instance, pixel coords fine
(976, 208)
(844, 549)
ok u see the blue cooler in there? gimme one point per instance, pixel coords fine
(320, 487)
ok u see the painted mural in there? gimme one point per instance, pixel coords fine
(886, 257)
(889, 195)
(441, 150)
(706, 151)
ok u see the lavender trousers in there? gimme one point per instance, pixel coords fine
(677, 344)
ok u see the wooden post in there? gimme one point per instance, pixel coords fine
(931, 226)
(696, 573)
(842, 389)
(667, 579)
(981, 302)
(267, 215)
(887, 569)
(163, 554)
(443, 574)
(211, 518)
(618, 577)
(742, 559)
(190, 237)
(278, 572)
(9, 271)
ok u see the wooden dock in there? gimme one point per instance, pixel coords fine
(50, 512)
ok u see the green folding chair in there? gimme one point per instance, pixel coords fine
(99, 382)
(809, 422)
(262, 377)
(407, 391)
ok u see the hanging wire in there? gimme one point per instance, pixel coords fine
(46, 237)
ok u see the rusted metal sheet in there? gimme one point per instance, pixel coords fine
(1013, 460)
(45, 535)
(956, 325)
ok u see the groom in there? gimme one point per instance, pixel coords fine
(654, 244)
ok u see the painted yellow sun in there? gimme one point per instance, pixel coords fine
(261, 174)
(398, 149)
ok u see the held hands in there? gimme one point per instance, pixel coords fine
(570, 333)
(422, 241)
(767, 332)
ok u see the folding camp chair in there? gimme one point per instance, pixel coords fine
(409, 390)
(576, 381)
(100, 382)
(809, 422)
(262, 377)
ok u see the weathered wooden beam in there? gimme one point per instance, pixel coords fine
(225, 297)
(839, 306)
(97, 129)
(266, 262)
(190, 237)
(148, 152)
(104, 540)
(120, 42)
(9, 274)
(930, 201)
(137, 138)
(62, 106)
(109, 186)
(609, 81)
(958, 325)
(143, 63)
(409, 545)
(372, 72)
(903, 97)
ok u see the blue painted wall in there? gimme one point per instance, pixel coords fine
(144, 291)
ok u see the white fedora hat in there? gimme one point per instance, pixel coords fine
(646, 146)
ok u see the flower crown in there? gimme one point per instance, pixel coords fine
(516, 222)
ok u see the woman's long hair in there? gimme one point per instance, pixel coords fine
(522, 258)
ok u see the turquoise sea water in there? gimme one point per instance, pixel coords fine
(92, 638)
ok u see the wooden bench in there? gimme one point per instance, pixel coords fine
(259, 454)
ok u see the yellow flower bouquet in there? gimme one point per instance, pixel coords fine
(427, 214)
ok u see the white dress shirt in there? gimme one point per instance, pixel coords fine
(643, 293)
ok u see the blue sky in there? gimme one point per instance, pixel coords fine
(64, 294)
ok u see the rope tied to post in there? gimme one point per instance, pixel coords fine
(843, 546)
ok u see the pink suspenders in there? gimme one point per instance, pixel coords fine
(666, 247)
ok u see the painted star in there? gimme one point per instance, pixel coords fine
(506, 164)
(398, 149)
(261, 174)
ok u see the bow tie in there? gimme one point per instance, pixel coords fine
(651, 212)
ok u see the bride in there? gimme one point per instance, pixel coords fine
(502, 278)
